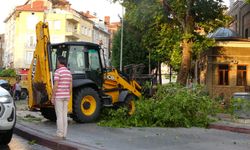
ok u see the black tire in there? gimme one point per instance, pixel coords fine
(5, 137)
(24, 94)
(86, 105)
(49, 113)
(130, 104)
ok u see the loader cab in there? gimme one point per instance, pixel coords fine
(83, 60)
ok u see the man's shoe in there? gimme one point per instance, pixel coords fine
(58, 137)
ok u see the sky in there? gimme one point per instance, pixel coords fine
(100, 7)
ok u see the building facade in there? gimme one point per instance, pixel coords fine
(225, 68)
(112, 29)
(100, 35)
(2, 47)
(240, 11)
(20, 34)
(65, 24)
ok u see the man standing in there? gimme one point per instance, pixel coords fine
(17, 89)
(61, 93)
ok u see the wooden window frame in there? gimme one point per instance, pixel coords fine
(243, 81)
(224, 73)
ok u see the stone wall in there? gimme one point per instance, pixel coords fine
(226, 91)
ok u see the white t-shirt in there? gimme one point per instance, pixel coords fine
(18, 87)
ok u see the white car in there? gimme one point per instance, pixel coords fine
(7, 116)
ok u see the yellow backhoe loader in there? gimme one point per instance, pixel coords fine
(94, 86)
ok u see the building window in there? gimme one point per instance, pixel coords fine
(57, 25)
(75, 28)
(241, 75)
(89, 32)
(246, 33)
(223, 75)
(85, 31)
(29, 57)
(31, 41)
(82, 30)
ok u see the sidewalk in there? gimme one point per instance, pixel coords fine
(47, 140)
(32, 126)
(228, 123)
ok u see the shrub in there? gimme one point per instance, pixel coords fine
(172, 106)
(8, 73)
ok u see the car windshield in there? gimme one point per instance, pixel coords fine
(3, 81)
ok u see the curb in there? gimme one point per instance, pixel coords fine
(229, 128)
(48, 141)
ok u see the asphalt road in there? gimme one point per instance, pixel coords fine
(18, 143)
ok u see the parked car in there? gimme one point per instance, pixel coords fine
(7, 116)
(6, 85)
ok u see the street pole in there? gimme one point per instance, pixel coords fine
(121, 41)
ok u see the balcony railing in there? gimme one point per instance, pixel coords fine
(72, 34)
(72, 18)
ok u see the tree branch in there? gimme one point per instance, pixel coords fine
(168, 8)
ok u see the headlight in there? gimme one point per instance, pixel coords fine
(5, 99)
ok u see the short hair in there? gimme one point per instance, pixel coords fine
(61, 60)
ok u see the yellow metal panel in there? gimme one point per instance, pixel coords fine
(70, 105)
(39, 70)
(113, 80)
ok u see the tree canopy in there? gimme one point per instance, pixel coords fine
(133, 52)
(174, 31)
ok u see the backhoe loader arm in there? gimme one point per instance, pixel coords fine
(39, 76)
(113, 79)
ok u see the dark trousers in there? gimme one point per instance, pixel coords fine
(17, 95)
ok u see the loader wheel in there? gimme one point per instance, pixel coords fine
(49, 113)
(86, 105)
(130, 104)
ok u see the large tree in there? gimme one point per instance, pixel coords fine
(164, 34)
(151, 30)
(192, 15)
(133, 51)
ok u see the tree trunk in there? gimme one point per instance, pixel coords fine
(187, 43)
(186, 61)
